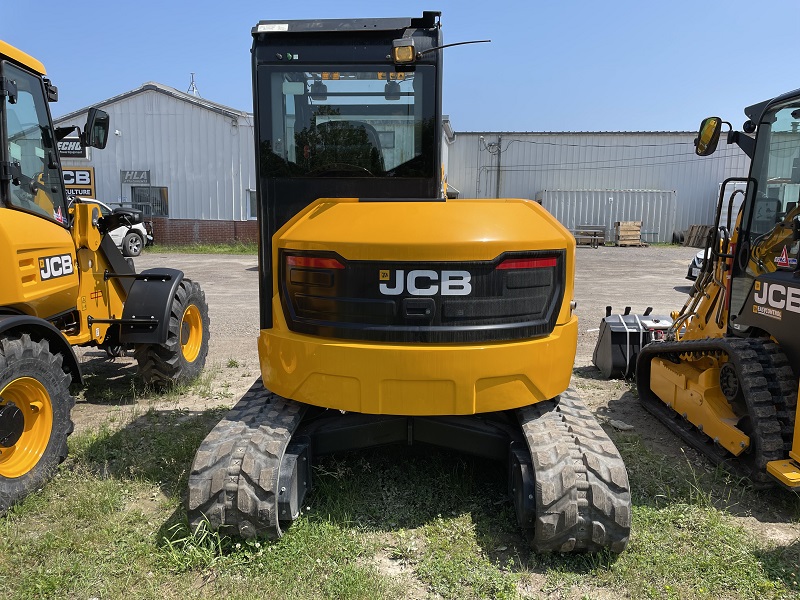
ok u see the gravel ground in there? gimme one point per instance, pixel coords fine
(616, 276)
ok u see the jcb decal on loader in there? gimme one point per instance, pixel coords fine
(778, 296)
(55, 266)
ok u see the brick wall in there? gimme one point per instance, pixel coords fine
(189, 231)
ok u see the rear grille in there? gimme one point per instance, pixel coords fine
(515, 296)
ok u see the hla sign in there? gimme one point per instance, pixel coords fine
(134, 177)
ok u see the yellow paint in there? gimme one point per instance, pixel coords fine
(409, 378)
(693, 392)
(31, 397)
(416, 379)
(786, 472)
(84, 232)
(84, 291)
(10, 52)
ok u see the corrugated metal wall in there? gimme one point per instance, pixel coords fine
(577, 208)
(520, 165)
(205, 158)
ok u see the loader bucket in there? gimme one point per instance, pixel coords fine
(621, 338)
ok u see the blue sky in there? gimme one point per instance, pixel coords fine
(568, 65)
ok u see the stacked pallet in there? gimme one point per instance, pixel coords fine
(697, 236)
(628, 233)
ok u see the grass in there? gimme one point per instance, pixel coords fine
(389, 523)
(233, 247)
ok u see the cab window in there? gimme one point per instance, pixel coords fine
(36, 184)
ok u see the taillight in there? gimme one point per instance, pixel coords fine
(313, 262)
(528, 263)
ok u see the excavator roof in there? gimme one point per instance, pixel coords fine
(428, 20)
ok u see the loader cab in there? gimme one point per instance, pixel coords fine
(30, 177)
(30, 171)
(767, 248)
(339, 113)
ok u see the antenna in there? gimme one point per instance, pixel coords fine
(193, 88)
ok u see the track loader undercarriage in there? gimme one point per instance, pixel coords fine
(732, 399)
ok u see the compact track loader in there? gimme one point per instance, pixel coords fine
(392, 315)
(726, 377)
(64, 283)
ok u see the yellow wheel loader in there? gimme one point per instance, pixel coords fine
(64, 283)
(392, 315)
(726, 377)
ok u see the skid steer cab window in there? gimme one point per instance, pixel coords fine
(36, 185)
(348, 123)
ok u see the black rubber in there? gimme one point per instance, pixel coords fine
(20, 356)
(233, 484)
(583, 500)
(130, 249)
(763, 383)
(164, 364)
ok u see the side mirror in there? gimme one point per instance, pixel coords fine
(707, 138)
(95, 133)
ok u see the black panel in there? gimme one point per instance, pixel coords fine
(775, 309)
(423, 301)
(297, 45)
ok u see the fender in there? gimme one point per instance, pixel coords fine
(40, 329)
(149, 299)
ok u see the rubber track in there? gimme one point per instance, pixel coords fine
(782, 385)
(234, 476)
(583, 500)
(761, 376)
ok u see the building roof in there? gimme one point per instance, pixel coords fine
(152, 86)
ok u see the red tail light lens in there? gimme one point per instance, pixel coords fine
(313, 262)
(528, 263)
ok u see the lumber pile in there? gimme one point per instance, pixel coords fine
(628, 233)
(697, 236)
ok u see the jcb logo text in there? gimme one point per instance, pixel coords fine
(777, 296)
(55, 266)
(421, 282)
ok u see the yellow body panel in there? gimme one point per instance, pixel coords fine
(694, 393)
(9, 51)
(417, 379)
(30, 285)
(412, 378)
(26, 240)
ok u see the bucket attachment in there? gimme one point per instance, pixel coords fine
(622, 337)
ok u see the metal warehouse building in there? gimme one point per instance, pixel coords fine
(186, 162)
(599, 178)
(189, 164)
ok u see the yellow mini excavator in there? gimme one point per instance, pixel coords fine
(392, 315)
(726, 378)
(64, 283)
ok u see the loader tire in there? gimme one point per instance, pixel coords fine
(35, 406)
(182, 357)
